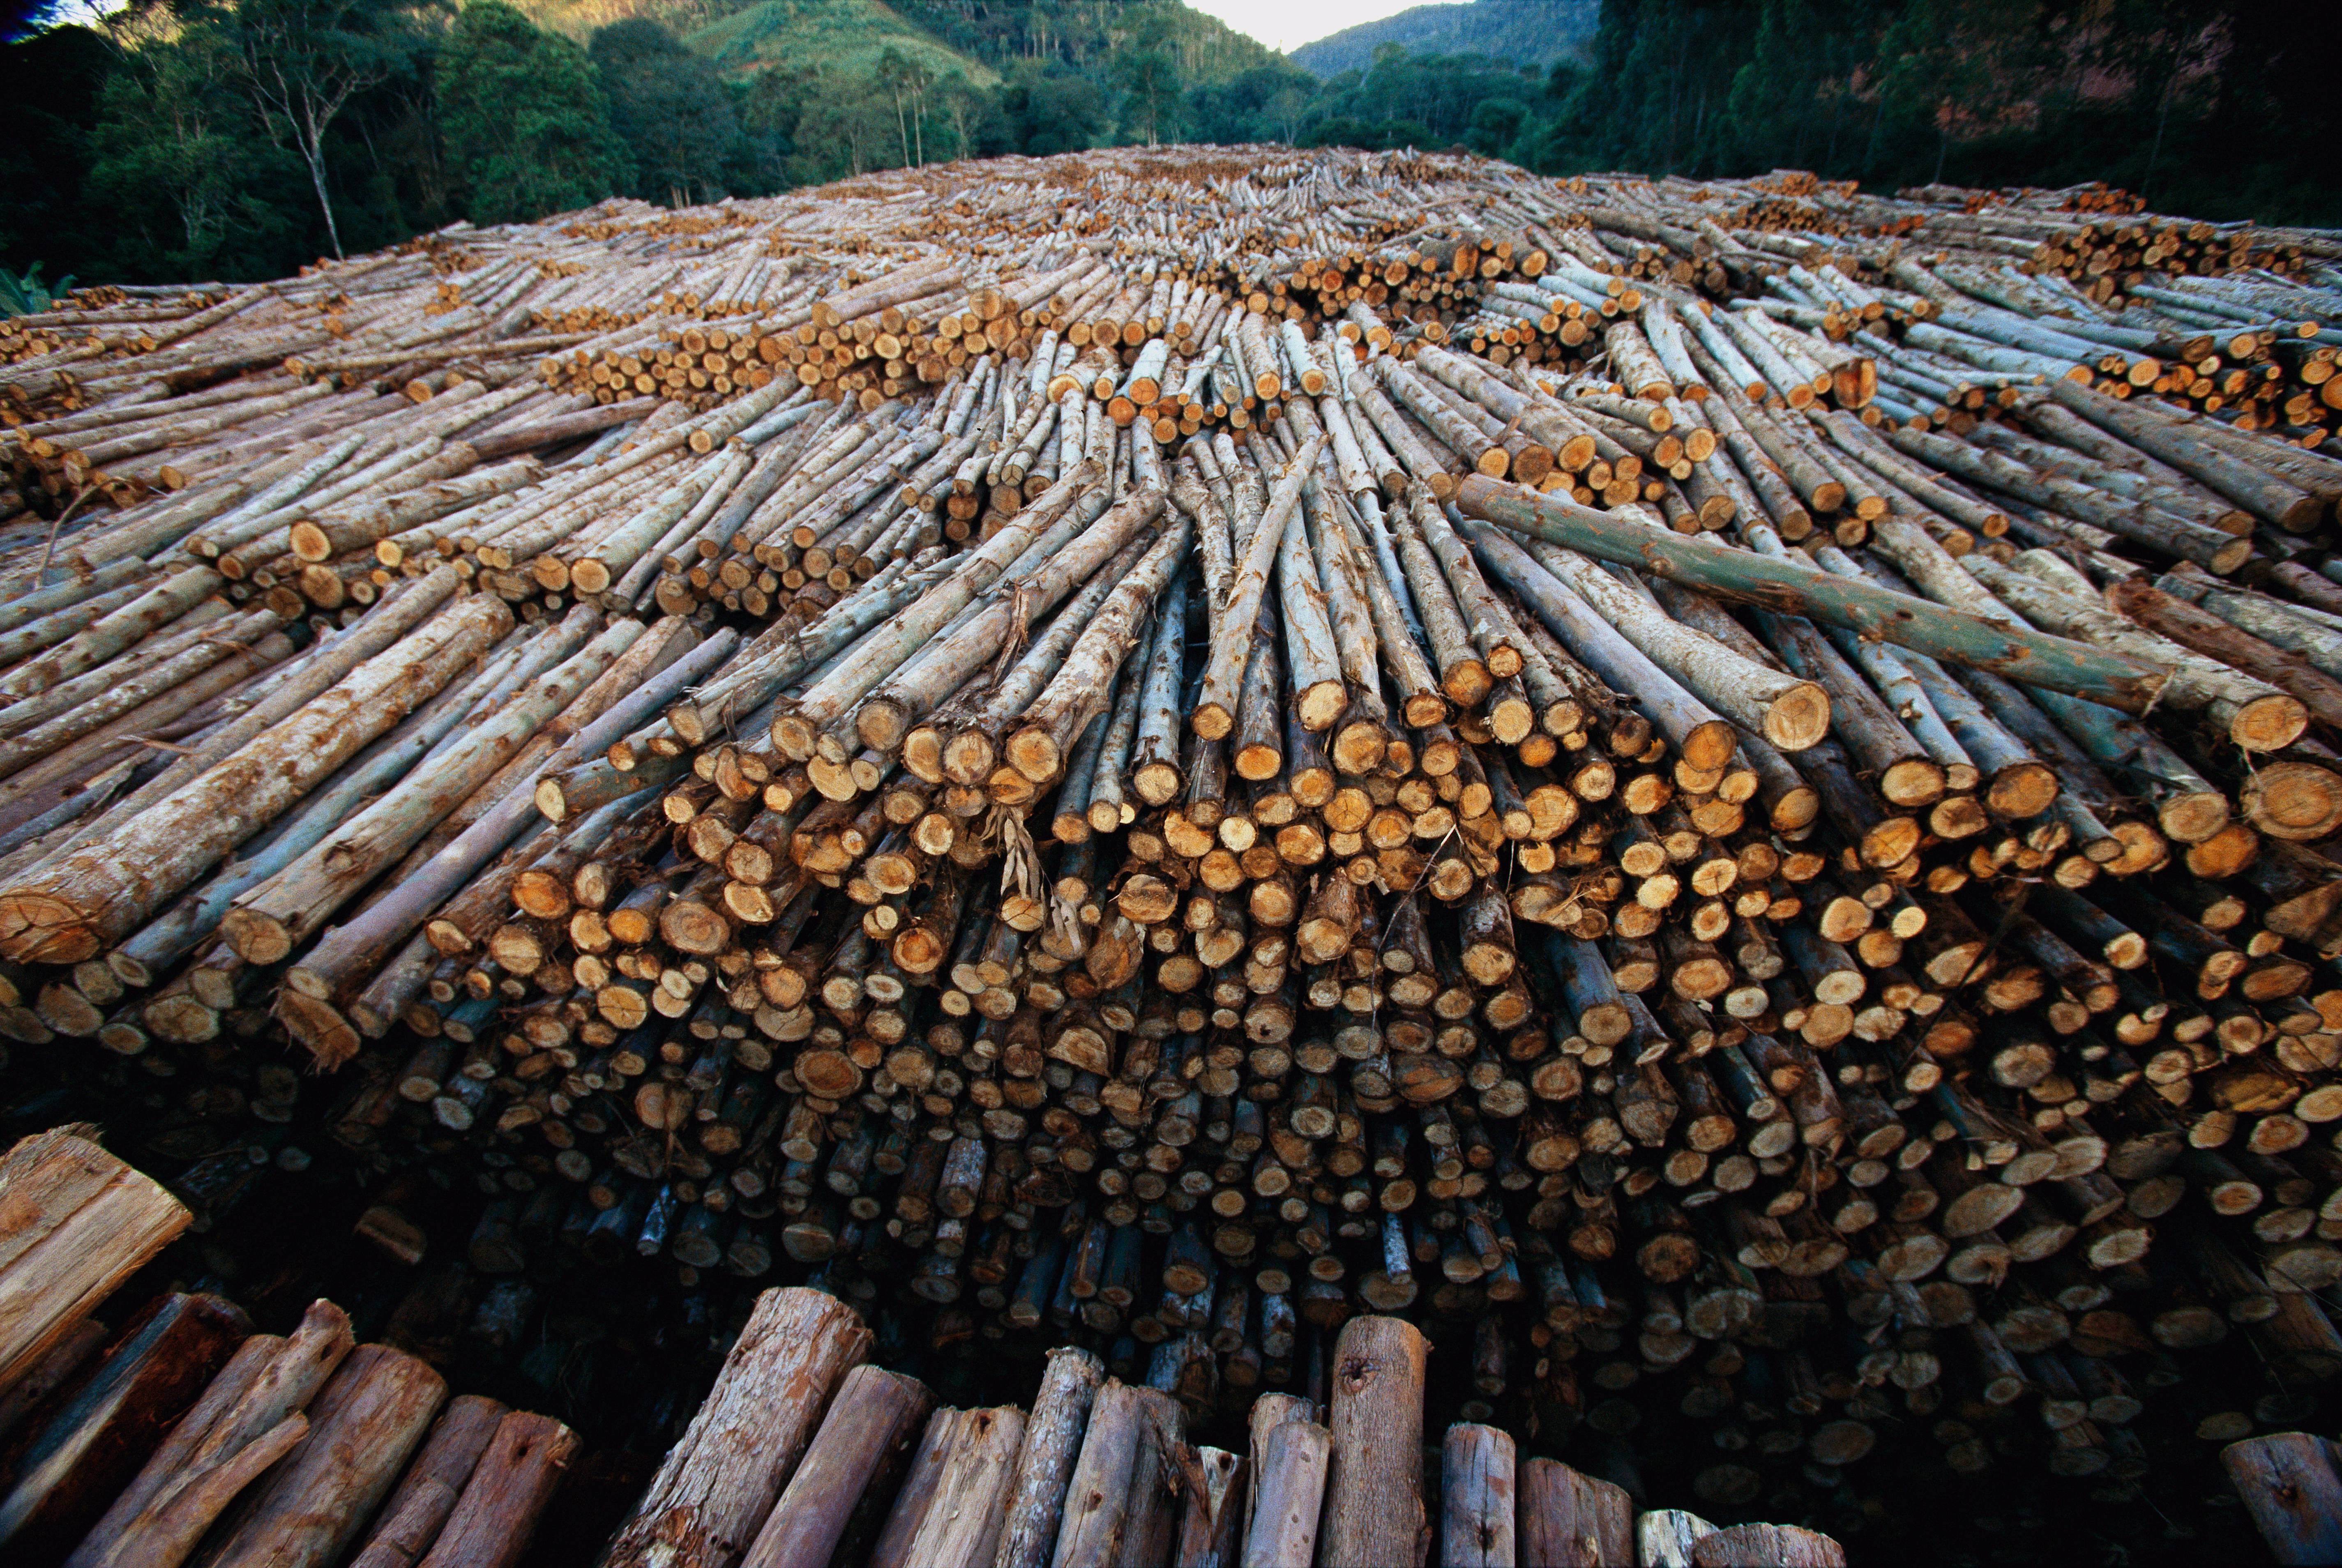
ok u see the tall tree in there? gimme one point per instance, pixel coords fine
(670, 108)
(1147, 71)
(303, 61)
(527, 126)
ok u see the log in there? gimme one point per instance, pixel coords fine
(427, 1492)
(2021, 655)
(1096, 1515)
(1783, 1543)
(962, 1526)
(2288, 1484)
(891, 1549)
(1664, 1537)
(1573, 1521)
(1477, 1498)
(718, 1483)
(861, 1447)
(515, 1481)
(1374, 1501)
(252, 1410)
(93, 1443)
(360, 1432)
(1053, 1436)
(81, 1222)
(1289, 1498)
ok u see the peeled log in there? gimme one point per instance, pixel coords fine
(79, 1222)
(114, 884)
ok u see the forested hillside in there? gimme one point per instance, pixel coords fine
(1524, 32)
(189, 139)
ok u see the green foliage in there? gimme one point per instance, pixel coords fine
(846, 37)
(23, 293)
(1054, 109)
(197, 187)
(669, 108)
(527, 126)
(300, 62)
(1524, 32)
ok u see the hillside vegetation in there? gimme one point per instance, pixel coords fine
(850, 36)
(1518, 32)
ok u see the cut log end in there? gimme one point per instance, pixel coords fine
(40, 928)
(319, 1026)
(2268, 724)
(1034, 752)
(1321, 704)
(2020, 790)
(2296, 801)
(2192, 816)
(258, 939)
(1798, 718)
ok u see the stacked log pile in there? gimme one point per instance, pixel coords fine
(179, 1434)
(1750, 849)
(807, 1453)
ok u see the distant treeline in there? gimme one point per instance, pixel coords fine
(185, 139)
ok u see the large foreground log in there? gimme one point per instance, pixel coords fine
(1373, 1492)
(706, 1504)
(75, 1222)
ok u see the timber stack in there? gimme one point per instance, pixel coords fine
(176, 1433)
(1709, 792)
(808, 1453)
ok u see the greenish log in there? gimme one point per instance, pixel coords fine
(2055, 663)
(2261, 492)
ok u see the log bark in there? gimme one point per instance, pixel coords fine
(361, 1430)
(716, 1485)
(114, 884)
(94, 1440)
(1477, 1498)
(1054, 1435)
(1374, 1498)
(1785, 1544)
(1572, 1520)
(1097, 1517)
(427, 1492)
(962, 1525)
(510, 1489)
(861, 1444)
(892, 1547)
(2112, 678)
(1289, 1498)
(2289, 1485)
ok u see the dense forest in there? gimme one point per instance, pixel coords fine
(198, 139)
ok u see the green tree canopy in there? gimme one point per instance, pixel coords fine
(669, 107)
(527, 126)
